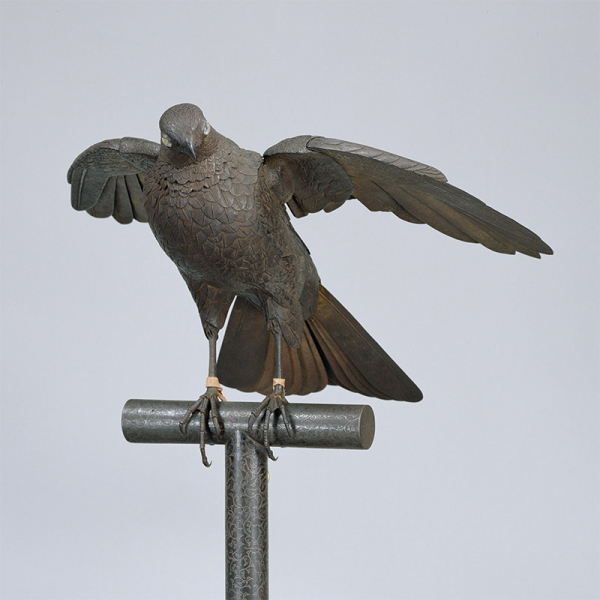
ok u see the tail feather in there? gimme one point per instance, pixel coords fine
(295, 368)
(348, 376)
(363, 352)
(244, 348)
(314, 374)
(335, 350)
(265, 381)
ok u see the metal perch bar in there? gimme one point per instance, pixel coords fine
(342, 426)
(246, 519)
(246, 467)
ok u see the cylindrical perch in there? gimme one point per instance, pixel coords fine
(246, 497)
(246, 519)
(315, 425)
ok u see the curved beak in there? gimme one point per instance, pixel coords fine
(188, 148)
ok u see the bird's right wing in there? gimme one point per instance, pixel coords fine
(315, 173)
(107, 179)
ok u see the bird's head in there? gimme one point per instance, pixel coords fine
(185, 131)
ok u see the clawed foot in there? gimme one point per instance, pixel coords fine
(274, 401)
(207, 402)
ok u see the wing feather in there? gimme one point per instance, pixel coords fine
(91, 187)
(413, 191)
(107, 179)
(105, 205)
(123, 212)
(376, 198)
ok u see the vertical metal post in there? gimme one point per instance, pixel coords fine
(246, 501)
(246, 519)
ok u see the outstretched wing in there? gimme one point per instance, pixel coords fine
(316, 173)
(108, 178)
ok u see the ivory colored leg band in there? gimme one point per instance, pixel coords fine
(280, 382)
(212, 382)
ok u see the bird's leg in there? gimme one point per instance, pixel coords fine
(274, 401)
(209, 401)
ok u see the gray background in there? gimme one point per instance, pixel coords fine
(488, 489)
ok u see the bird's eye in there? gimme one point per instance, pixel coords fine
(166, 140)
(206, 129)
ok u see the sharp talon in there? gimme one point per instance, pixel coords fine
(266, 408)
(185, 421)
(215, 417)
(286, 421)
(255, 414)
(266, 435)
(208, 402)
(251, 421)
(205, 459)
(266, 429)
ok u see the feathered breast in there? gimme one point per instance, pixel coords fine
(204, 214)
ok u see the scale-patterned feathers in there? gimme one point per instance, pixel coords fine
(107, 179)
(219, 212)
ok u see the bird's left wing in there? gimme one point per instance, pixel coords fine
(315, 173)
(107, 179)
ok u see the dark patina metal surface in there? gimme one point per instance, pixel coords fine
(246, 467)
(315, 425)
(219, 212)
(246, 519)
